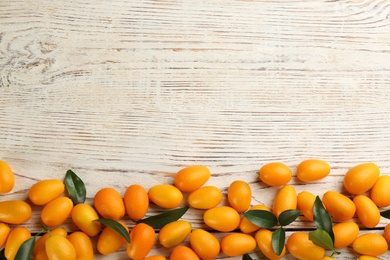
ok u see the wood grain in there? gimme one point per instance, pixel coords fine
(127, 92)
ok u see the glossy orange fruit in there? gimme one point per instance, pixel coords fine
(371, 244)
(109, 203)
(142, 238)
(155, 257)
(191, 178)
(204, 244)
(56, 211)
(366, 210)
(345, 233)
(361, 178)
(83, 216)
(15, 239)
(82, 244)
(173, 233)
(239, 195)
(15, 211)
(285, 199)
(305, 203)
(380, 192)
(237, 244)
(275, 174)
(181, 252)
(206, 197)
(59, 247)
(110, 241)
(39, 250)
(7, 178)
(339, 206)
(248, 227)
(45, 191)
(386, 233)
(4, 232)
(263, 239)
(312, 170)
(165, 196)
(300, 246)
(222, 218)
(136, 201)
(367, 257)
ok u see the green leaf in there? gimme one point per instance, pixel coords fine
(2, 256)
(26, 249)
(261, 218)
(160, 220)
(278, 240)
(247, 257)
(386, 214)
(116, 226)
(322, 238)
(75, 187)
(322, 218)
(288, 216)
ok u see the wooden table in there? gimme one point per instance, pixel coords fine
(126, 92)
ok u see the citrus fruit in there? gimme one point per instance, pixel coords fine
(263, 239)
(14, 211)
(239, 195)
(109, 204)
(142, 238)
(305, 203)
(4, 232)
(237, 244)
(173, 233)
(165, 196)
(7, 178)
(56, 211)
(45, 191)
(206, 197)
(312, 170)
(15, 239)
(110, 241)
(181, 252)
(82, 244)
(222, 218)
(285, 199)
(299, 245)
(361, 178)
(155, 257)
(191, 178)
(366, 210)
(380, 192)
(371, 244)
(136, 201)
(204, 244)
(83, 216)
(248, 227)
(59, 247)
(275, 174)
(367, 257)
(39, 251)
(386, 233)
(339, 206)
(345, 233)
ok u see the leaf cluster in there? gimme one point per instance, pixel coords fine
(266, 219)
(323, 235)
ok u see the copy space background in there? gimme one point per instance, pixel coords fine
(126, 92)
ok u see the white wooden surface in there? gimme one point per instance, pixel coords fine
(127, 92)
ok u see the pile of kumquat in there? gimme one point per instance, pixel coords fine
(244, 227)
